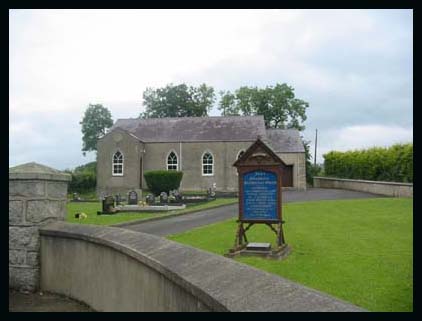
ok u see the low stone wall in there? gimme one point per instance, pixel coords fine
(37, 196)
(375, 187)
(114, 269)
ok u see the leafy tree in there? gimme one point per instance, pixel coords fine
(84, 178)
(227, 104)
(94, 124)
(178, 101)
(277, 104)
(88, 167)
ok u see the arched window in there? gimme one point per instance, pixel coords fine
(240, 154)
(118, 164)
(207, 164)
(172, 162)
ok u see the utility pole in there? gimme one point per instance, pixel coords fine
(316, 141)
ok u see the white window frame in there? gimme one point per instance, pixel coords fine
(240, 151)
(113, 163)
(237, 157)
(212, 165)
(167, 161)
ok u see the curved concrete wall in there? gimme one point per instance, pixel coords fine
(114, 269)
(376, 187)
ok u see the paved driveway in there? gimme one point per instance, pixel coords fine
(186, 222)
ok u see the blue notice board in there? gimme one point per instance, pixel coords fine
(260, 196)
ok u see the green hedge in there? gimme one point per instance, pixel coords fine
(84, 178)
(163, 181)
(394, 164)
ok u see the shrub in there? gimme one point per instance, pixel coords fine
(84, 178)
(311, 171)
(163, 181)
(394, 164)
(82, 182)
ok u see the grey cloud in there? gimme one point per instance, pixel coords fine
(354, 68)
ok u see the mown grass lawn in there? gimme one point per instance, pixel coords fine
(357, 250)
(91, 208)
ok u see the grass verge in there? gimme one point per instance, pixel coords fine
(358, 250)
(91, 210)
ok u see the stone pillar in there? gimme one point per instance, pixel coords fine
(37, 196)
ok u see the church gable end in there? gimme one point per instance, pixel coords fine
(257, 154)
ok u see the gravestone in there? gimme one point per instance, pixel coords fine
(176, 195)
(133, 198)
(211, 191)
(118, 199)
(163, 197)
(108, 205)
(150, 199)
(260, 202)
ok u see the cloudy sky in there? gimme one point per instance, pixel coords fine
(354, 67)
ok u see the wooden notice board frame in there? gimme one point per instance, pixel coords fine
(259, 157)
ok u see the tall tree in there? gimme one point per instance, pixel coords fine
(178, 101)
(277, 104)
(94, 124)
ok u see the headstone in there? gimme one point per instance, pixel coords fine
(211, 191)
(163, 197)
(133, 198)
(108, 204)
(118, 199)
(178, 196)
(175, 196)
(171, 198)
(150, 199)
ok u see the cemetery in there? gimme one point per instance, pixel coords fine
(316, 244)
(164, 202)
(262, 164)
(329, 246)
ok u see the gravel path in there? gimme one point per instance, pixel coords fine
(182, 223)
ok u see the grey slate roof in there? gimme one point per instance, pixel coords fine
(285, 140)
(193, 129)
(217, 128)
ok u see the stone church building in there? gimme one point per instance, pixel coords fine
(204, 148)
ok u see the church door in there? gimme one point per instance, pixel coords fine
(287, 176)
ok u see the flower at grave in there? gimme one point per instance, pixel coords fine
(81, 216)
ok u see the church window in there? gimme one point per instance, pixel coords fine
(207, 164)
(118, 164)
(240, 154)
(172, 162)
